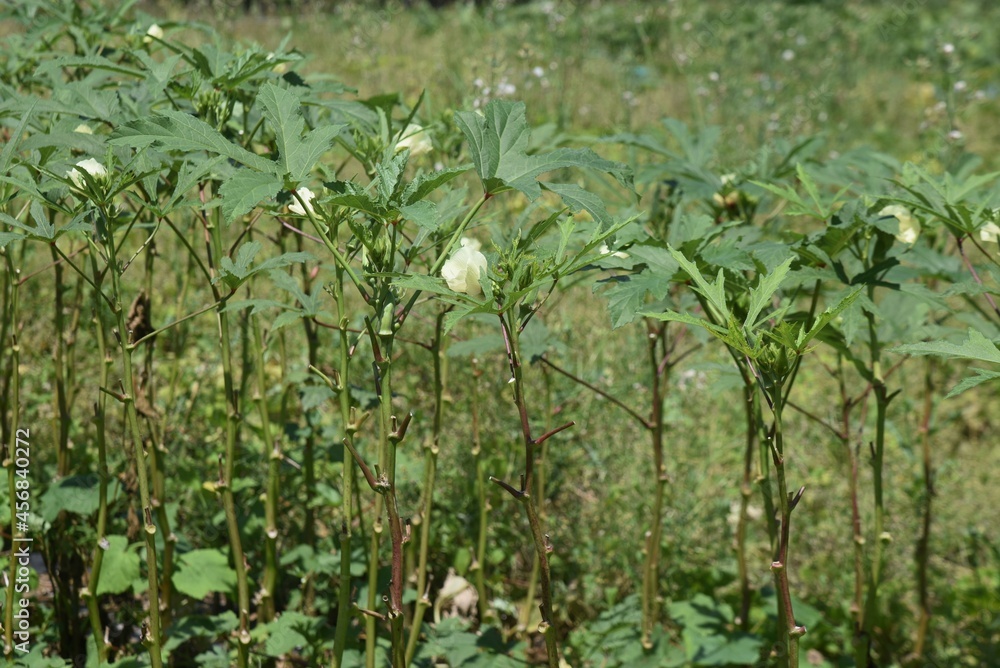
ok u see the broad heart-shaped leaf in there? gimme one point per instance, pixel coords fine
(178, 131)
(75, 494)
(498, 144)
(245, 189)
(975, 347)
(120, 567)
(292, 629)
(296, 154)
(199, 626)
(707, 638)
(201, 572)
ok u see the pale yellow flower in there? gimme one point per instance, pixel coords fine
(92, 167)
(463, 269)
(83, 129)
(307, 197)
(415, 138)
(909, 227)
(154, 32)
(990, 232)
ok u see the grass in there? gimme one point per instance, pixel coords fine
(859, 74)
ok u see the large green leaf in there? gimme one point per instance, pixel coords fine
(578, 199)
(177, 131)
(975, 347)
(245, 189)
(289, 631)
(760, 296)
(715, 292)
(202, 572)
(192, 626)
(498, 144)
(120, 567)
(75, 494)
(296, 154)
(628, 297)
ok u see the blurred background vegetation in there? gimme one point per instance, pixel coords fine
(856, 73)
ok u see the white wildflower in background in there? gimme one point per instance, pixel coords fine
(787, 55)
(307, 197)
(154, 32)
(733, 519)
(505, 88)
(909, 228)
(92, 167)
(990, 232)
(462, 270)
(415, 138)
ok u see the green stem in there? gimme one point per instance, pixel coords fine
(780, 565)
(309, 460)
(651, 569)
(477, 453)
(157, 451)
(746, 491)
(229, 463)
(272, 454)
(542, 548)
(923, 542)
(344, 397)
(431, 449)
(536, 565)
(13, 313)
(61, 416)
(870, 612)
(871, 609)
(100, 413)
(152, 636)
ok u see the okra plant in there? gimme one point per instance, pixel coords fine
(239, 305)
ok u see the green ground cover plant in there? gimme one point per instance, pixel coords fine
(320, 360)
